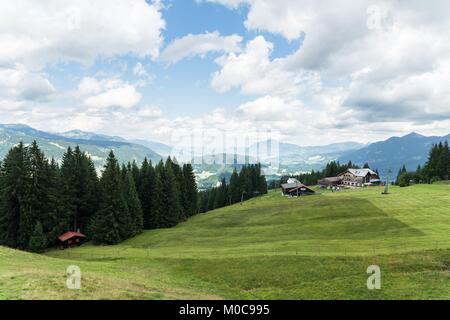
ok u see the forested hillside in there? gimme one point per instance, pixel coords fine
(41, 199)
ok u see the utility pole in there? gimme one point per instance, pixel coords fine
(386, 187)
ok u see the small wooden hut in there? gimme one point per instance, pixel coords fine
(71, 239)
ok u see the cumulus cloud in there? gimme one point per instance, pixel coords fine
(199, 45)
(39, 32)
(254, 72)
(17, 83)
(270, 109)
(149, 112)
(387, 60)
(106, 93)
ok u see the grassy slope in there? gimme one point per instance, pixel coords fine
(271, 247)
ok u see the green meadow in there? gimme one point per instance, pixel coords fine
(316, 247)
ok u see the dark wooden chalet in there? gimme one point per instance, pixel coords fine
(295, 188)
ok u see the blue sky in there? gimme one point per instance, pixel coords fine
(307, 72)
(189, 78)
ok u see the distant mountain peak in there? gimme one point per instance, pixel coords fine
(414, 135)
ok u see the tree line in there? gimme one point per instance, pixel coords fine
(249, 183)
(436, 168)
(41, 199)
(332, 169)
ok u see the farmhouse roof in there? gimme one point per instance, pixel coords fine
(69, 235)
(292, 185)
(361, 172)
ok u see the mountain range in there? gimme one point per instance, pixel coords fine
(55, 144)
(410, 150)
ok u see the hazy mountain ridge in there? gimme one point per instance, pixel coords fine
(410, 150)
(54, 145)
(286, 158)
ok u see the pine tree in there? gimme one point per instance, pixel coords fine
(158, 195)
(35, 202)
(69, 187)
(38, 240)
(13, 187)
(235, 188)
(133, 203)
(80, 189)
(191, 192)
(221, 195)
(104, 228)
(54, 220)
(136, 173)
(183, 198)
(212, 199)
(148, 196)
(203, 201)
(113, 222)
(171, 205)
(400, 173)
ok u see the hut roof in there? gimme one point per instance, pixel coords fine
(69, 235)
(361, 172)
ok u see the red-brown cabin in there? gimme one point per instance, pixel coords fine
(71, 239)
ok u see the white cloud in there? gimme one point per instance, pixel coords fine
(360, 73)
(270, 109)
(17, 83)
(35, 33)
(149, 112)
(255, 73)
(200, 44)
(139, 70)
(387, 61)
(106, 93)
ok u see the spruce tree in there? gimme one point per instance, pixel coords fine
(158, 195)
(133, 203)
(69, 187)
(148, 195)
(171, 205)
(212, 199)
(113, 222)
(35, 202)
(191, 192)
(182, 192)
(80, 189)
(13, 188)
(136, 173)
(38, 240)
(103, 228)
(221, 195)
(54, 219)
(235, 188)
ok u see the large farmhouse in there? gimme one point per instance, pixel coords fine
(358, 177)
(351, 177)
